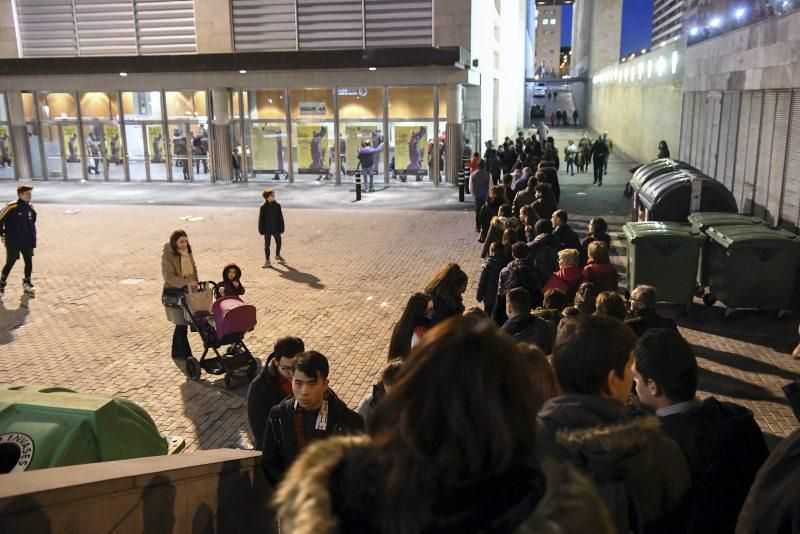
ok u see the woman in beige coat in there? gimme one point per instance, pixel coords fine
(179, 271)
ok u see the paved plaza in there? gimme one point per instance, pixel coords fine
(97, 325)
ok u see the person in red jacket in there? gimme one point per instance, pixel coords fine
(569, 275)
(599, 270)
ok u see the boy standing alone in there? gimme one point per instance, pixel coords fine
(18, 233)
(270, 224)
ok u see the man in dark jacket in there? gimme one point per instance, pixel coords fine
(367, 159)
(270, 224)
(640, 473)
(479, 183)
(563, 236)
(490, 276)
(545, 202)
(18, 233)
(773, 504)
(643, 306)
(272, 385)
(599, 154)
(523, 326)
(723, 445)
(525, 197)
(313, 413)
(550, 176)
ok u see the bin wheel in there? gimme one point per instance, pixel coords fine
(709, 299)
(782, 313)
(729, 313)
(252, 369)
(192, 368)
(228, 381)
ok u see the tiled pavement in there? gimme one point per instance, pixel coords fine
(348, 274)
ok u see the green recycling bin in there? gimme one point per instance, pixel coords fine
(44, 427)
(701, 220)
(664, 255)
(752, 267)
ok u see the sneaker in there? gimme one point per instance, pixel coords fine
(27, 287)
(279, 257)
(266, 264)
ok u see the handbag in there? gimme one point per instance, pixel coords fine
(172, 297)
(200, 300)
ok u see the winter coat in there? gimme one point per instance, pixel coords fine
(545, 206)
(18, 225)
(496, 229)
(489, 279)
(566, 280)
(526, 276)
(171, 272)
(589, 239)
(227, 286)
(647, 319)
(640, 474)
(280, 438)
(488, 211)
(773, 504)
(551, 154)
(270, 219)
(446, 306)
(264, 393)
(724, 448)
(532, 329)
(335, 486)
(543, 256)
(551, 177)
(523, 198)
(599, 150)
(565, 237)
(604, 276)
(479, 183)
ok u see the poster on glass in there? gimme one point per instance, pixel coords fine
(267, 143)
(312, 150)
(409, 152)
(72, 144)
(155, 142)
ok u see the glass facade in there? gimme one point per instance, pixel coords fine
(6, 150)
(305, 135)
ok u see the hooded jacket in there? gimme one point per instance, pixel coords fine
(280, 439)
(270, 219)
(228, 289)
(641, 474)
(724, 448)
(335, 487)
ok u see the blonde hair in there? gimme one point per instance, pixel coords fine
(598, 252)
(569, 257)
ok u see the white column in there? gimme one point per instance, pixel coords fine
(454, 132)
(221, 137)
(19, 136)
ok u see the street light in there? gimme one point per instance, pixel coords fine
(739, 13)
(694, 31)
(716, 22)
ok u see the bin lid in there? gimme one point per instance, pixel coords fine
(638, 231)
(714, 195)
(704, 219)
(656, 168)
(44, 427)
(747, 235)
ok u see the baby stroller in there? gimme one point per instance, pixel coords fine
(226, 323)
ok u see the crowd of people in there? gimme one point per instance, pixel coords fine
(558, 403)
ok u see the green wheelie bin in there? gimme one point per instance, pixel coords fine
(664, 255)
(752, 267)
(43, 427)
(701, 220)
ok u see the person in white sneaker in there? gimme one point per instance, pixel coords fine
(270, 224)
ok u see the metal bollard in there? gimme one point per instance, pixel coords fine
(358, 186)
(461, 183)
(466, 172)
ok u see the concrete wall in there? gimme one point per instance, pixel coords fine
(220, 490)
(761, 56)
(452, 22)
(213, 29)
(8, 33)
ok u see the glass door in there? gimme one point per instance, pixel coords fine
(180, 145)
(266, 157)
(95, 154)
(136, 155)
(59, 151)
(201, 153)
(155, 148)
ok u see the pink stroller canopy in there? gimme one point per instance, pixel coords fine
(232, 316)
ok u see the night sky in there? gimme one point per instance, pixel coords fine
(637, 24)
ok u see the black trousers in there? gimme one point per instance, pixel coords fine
(267, 238)
(12, 255)
(598, 170)
(180, 342)
(479, 202)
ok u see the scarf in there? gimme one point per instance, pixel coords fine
(187, 270)
(321, 424)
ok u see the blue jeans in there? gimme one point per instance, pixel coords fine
(369, 177)
(571, 164)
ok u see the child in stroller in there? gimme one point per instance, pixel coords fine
(225, 323)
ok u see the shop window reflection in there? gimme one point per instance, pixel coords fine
(413, 143)
(312, 134)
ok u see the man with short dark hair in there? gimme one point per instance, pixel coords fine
(639, 472)
(525, 198)
(563, 235)
(272, 385)
(18, 233)
(525, 327)
(643, 307)
(313, 412)
(723, 445)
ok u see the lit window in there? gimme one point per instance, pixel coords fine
(545, 22)
(552, 21)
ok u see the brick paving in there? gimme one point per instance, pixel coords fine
(348, 274)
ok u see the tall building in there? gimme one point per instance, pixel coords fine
(667, 20)
(190, 90)
(548, 41)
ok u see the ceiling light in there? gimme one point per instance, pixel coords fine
(123, 74)
(373, 68)
(243, 71)
(739, 13)
(694, 31)
(716, 22)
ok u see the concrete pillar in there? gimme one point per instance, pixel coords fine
(221, 137)
(213, 27)
(19, 136)
(596, 34)
(8, 33)
(454, 132)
